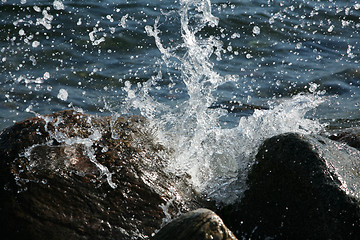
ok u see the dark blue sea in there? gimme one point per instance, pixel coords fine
(57, 55)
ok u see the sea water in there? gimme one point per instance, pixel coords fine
(213, 78)
(215, 157)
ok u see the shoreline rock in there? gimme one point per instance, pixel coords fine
(74, 176)
(350, 136)
(200, 224)
(304, 187)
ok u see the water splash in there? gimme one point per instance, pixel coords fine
(217, 159)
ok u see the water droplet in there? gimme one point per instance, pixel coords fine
(63, 94)
(37, 9)
(110, 18)
(123, 20)
(29, 108)
(248, 56)
(313, 87)
(331, 28)
(35, 44)
(256, 30)
(58, 5)
(271, 20)
(46, 75)
(235, 35)
(21, 32)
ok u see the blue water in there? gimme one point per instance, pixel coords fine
(91, 48)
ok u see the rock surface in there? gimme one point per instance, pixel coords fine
(72, 176)
(201, 224)
(302, 187)
(350, 136)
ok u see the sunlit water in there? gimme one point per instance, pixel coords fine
(183, 65)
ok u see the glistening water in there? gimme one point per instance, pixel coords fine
(214, 78)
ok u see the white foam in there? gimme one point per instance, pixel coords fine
(217, 159)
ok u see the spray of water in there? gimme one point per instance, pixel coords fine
(217, 159)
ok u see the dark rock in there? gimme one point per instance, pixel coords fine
(350, 136)
(73, 176)
(301, 187)
(201, 224)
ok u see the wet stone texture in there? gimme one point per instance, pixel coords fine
(350, 136)
(200, 224)
(72, 176)
(302, 187)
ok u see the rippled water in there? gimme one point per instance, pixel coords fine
(274, 66)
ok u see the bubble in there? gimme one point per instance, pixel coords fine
(63, 94)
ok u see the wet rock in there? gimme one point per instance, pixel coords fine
(350, 136)
(200, 224)
(302, 187)
(73, 176)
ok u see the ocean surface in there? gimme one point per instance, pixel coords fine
(210, 75)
